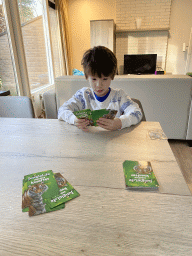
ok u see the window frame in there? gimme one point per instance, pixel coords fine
(17, 46)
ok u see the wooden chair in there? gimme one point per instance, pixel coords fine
(16, 106)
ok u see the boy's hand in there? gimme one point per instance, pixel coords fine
(109, 124)
(82, 124)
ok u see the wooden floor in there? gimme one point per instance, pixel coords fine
(183, 154)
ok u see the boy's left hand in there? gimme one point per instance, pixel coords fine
(109, 124)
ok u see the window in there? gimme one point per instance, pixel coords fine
(7, 75)
(37, 58)
(31, 17)
(59, 67)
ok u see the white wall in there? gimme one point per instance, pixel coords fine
(145, 42)
(180, 27)
(80, 14)
(153, 13)
(82, 11)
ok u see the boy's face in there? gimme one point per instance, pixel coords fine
(99, 85)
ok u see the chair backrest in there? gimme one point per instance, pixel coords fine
(50, 105)
(140, 106)
(16, 106)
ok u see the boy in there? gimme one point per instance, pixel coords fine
(100, 65)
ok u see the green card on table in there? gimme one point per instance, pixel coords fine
(39, 188)
(139, 175)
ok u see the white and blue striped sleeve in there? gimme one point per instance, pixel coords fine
(77, 102)
(130, 112)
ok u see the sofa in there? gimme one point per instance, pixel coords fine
(165, 99)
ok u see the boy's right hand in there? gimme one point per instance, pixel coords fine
(82, 124)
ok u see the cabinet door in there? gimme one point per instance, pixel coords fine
(102, 33)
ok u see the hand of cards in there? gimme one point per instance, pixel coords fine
(45, 192)
(94, 115)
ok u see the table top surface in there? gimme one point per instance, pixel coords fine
(106, 219)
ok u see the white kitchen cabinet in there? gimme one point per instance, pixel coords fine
(103, 33)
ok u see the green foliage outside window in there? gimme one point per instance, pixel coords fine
(189, 74)
(29, 9)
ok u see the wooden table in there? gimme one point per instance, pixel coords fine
(106, 219)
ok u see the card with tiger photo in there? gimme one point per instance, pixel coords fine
(38, 187)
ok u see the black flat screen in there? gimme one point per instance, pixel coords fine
(140, 63)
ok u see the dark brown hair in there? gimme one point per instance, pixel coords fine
(99, 61)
